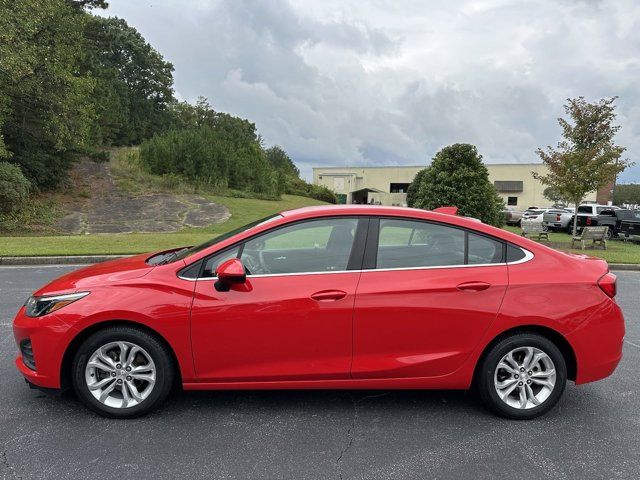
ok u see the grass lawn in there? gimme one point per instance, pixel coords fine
(617, 251)
(243, 211)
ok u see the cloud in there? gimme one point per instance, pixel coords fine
(390, 82)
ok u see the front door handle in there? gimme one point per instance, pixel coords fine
(328, 295)
(474, 286)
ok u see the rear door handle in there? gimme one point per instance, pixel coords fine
(328, 295)
(474, 286)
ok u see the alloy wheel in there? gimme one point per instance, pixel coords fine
(120, 374)
(525, 378)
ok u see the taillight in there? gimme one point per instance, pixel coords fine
(607, 284)
(588, 221)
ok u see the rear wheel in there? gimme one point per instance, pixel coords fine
(522, 376)
(609, 233)
(122, 372)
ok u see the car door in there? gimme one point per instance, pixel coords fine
(429, 293)
(292, 319)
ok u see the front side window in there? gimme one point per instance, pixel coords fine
(212, 263)
(322, 245)
(220, 238)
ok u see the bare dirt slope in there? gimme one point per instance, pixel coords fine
(107, 209)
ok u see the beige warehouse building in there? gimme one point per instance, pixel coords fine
(388, 185)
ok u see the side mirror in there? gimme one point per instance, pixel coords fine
(229, 273)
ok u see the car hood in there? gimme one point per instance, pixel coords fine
(100, 274)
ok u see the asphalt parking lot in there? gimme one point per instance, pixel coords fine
(593, 433)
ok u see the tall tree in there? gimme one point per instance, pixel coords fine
(45, 111)
(134, 84)
(457, 177)
(627, 194)
(279, 159)
(587, 158)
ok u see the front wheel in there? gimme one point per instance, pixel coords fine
(122, 372)
(522, 376)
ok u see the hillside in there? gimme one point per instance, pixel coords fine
(118, 208)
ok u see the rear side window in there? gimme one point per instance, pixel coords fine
(483, 250)
(514, 254)
(408, 243)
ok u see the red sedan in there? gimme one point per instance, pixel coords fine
(346, 297)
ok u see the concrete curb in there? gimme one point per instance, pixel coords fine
(59, 260)
(89, 259)
(624, 266)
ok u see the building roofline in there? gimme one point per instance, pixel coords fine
(418, 166)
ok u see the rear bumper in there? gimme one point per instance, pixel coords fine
(598, 343)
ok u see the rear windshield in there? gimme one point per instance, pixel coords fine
(585, 209)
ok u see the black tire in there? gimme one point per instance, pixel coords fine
(485, 375)
(609, 233)
(162, 360)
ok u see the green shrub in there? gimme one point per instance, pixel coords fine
(14, 187)
(211, 157)
(320, 192)
(100, 156)
(294, 185)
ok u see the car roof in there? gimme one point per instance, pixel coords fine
(406, 212)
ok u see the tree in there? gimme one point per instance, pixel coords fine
(45, 111)
(627, 194)
(134, 84)
(88, 4)
(279, 159)
(587, 158)
(14, 187)
(551, 194)
(457, 177)
(412, 191)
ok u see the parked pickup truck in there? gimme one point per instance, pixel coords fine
(628, 225)
(609, 217)
(558, 219)
(512, 216)
(588, 214)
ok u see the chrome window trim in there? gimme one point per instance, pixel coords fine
(527, 257)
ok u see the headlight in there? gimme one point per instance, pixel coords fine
(39, 306)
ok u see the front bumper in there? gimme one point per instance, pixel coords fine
(49, 337)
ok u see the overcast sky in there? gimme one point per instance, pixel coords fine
(386, 82)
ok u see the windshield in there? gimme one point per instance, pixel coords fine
(190, 251)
